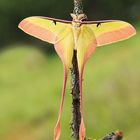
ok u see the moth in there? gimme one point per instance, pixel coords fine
(80, 35)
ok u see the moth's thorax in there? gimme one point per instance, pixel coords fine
(77, 19)
(76, 32)
(76, 24)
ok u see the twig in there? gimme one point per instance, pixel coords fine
(78, 7)
(118, 135)
(75, 90)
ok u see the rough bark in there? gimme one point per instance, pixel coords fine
(118, 135)
(75, 91)
(78, 7)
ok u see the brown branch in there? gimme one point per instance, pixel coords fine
(78, 7)
(75, 91)
(118, 135)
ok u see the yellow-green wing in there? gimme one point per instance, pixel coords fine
(59, 33)
(64, 49)
(86, 45)
(55, 31)
(47, 29)
(111, 31)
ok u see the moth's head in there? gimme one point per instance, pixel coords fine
(79, 17)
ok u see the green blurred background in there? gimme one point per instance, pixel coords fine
(31, 75)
